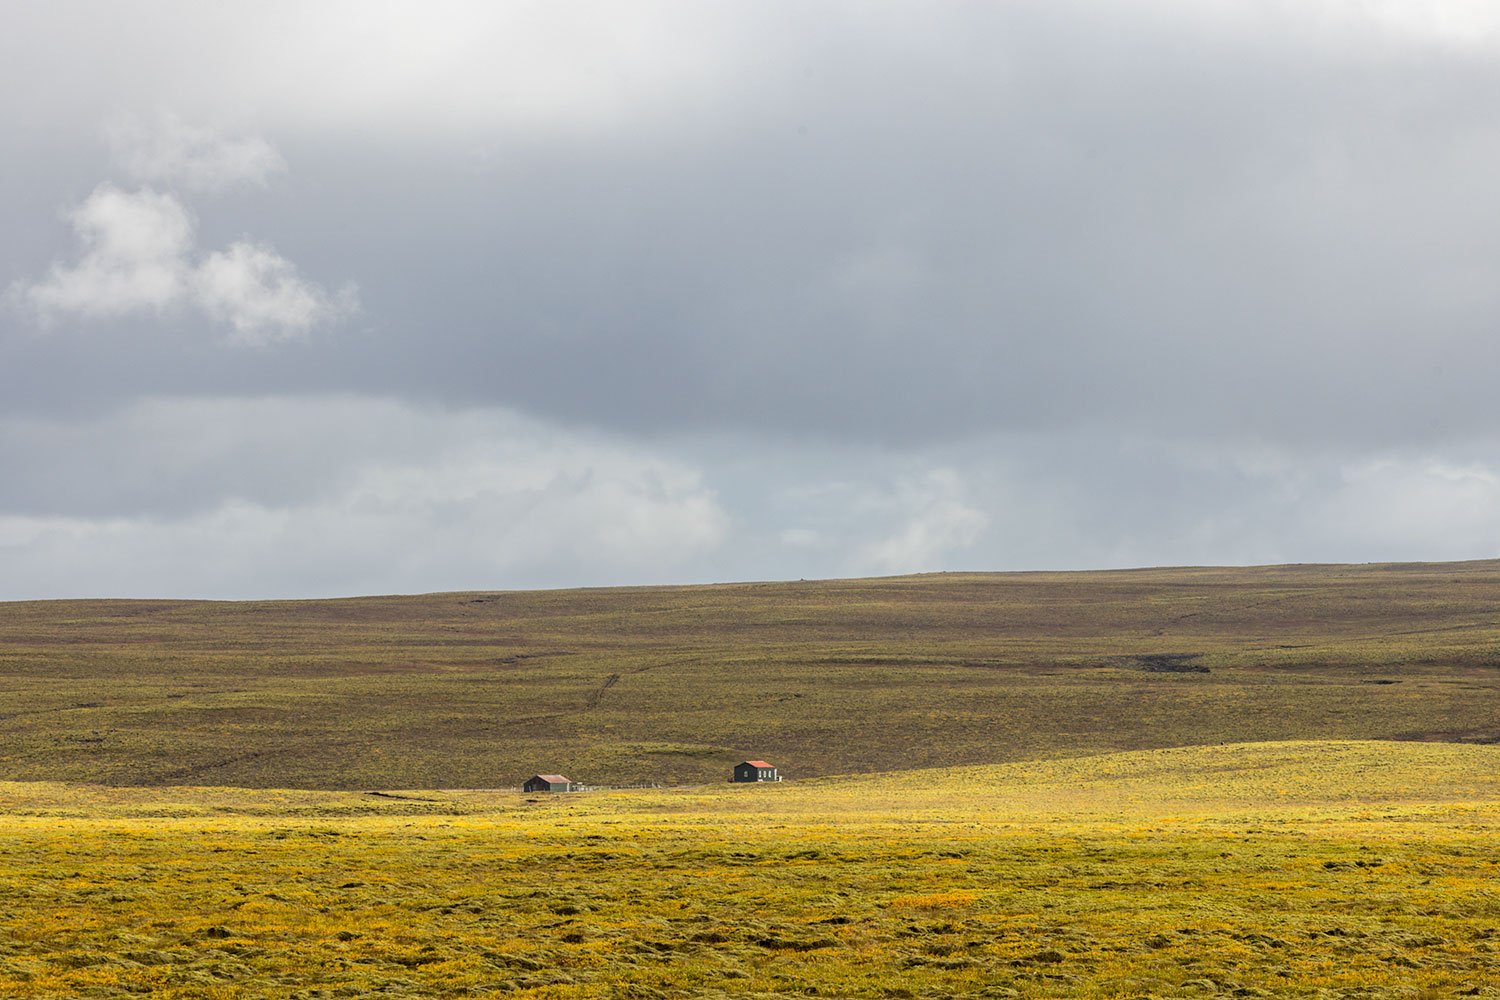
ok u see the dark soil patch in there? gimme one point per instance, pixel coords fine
(1168, 663)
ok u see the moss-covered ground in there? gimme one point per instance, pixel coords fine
(674, 685)
(1307, 869)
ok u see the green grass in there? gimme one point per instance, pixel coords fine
(676, 684)
(1331, 870)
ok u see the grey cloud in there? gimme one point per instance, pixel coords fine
(959, 286)
(982, 218)
(321, 496)
(310, 496)
(1162, 227)
(1086, 501)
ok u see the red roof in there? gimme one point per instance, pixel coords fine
(554, 779)
(759, 763)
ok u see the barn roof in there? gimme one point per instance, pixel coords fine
(554, 778)
(759, 763)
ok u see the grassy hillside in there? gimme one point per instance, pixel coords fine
(1335, 870)
(675, 684)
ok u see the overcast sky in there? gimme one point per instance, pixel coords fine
(341, 298)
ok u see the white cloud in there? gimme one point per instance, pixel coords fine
(1430, 508)
(258, 293)
(133, 257)
(936, 519)
(169, 151)
(138, 253)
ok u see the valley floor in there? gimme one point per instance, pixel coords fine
(1307, 869)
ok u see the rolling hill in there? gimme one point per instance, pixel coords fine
(674, 684)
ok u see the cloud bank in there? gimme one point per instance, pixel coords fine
(339, 496)
(342, 495)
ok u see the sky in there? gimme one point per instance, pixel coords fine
(303, 300)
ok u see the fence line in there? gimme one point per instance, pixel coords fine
(613, 788)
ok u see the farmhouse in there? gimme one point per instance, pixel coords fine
(754, 770)
(548, 783)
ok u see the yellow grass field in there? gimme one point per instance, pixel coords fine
(1299, 869)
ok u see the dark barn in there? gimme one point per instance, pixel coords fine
(755, 770)
(547, 783)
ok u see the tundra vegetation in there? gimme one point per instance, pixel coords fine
(676, 684)
(1309, 869)
(1216, 783)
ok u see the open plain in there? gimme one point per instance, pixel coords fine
(1216, 783)
(1351, 869)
